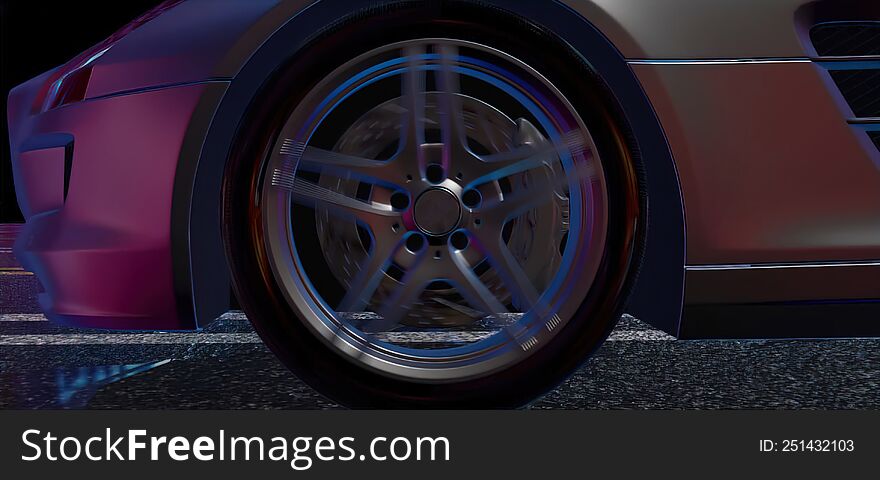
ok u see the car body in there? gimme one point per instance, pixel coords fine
(762, 177)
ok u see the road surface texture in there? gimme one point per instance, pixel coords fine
(44, 366)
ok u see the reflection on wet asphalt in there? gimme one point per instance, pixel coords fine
(226, 367)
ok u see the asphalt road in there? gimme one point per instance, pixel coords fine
(44, 366)
(226, 367)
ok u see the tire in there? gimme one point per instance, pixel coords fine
(301, 254)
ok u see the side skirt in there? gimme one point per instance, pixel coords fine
(812, 300)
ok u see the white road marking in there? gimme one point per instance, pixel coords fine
(23, 317)
(129, 339)
(14, 271)
(640, 336)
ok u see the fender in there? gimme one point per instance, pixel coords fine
(201, 273)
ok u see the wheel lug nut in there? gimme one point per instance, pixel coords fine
(472, 198)
(435, 173)
(400, 201)
(459, 240)
(415, 242)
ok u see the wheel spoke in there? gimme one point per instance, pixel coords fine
(396, 308)
(510, 163)
(529, 156)
(452, 114)
(340, 165)
(573, 143)
(536, 190)
(473, 289)
(510, 271)
(414, 84)
(372, 271)
(309, 194)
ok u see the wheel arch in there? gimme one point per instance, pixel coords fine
(201, 269)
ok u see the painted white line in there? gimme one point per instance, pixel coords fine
(23, 317)
(640, 336)
(130, 339)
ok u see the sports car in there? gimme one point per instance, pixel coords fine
(450, 203)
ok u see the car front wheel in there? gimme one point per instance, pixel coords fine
(438, 214)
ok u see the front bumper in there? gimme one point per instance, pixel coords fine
(95, 181)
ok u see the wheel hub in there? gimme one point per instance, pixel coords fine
(437, 212)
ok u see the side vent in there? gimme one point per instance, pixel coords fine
(850, 52)
(861, 89)
(875, 137)
(846, 39)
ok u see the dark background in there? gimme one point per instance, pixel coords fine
(36, 36)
